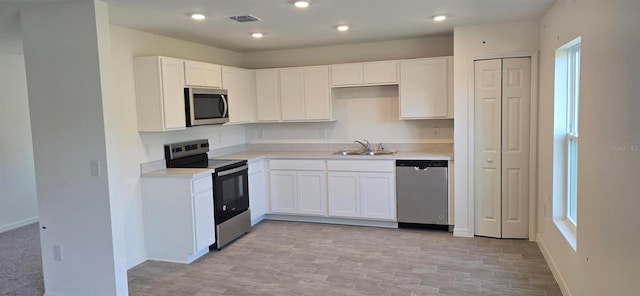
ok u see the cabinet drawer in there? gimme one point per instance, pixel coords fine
(361, 165)
(298, 165)
(202, 184)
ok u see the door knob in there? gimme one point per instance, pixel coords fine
(489, 160)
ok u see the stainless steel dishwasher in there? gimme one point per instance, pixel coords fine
(422, 193)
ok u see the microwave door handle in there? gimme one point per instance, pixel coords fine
(226, 108)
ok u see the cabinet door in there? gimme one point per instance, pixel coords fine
(423, 89)
(377, 196)
(317, 93)
(292, 94)
(257, 192)
(283, 192)
(268, 95)
(203, 220)
(173, 93)
(202, 74)
(344, 194)
(346, 74)
(312, 193)
(241, 85)
(380, 73)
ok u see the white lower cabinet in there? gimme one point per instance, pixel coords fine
(298, 187)
(362, 189)
(257, 192)
(377, 196)
(178, 217)
(203, 218)
(344, 194)
(283, 192)
(312, 192)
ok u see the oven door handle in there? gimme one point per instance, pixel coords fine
(231, 171)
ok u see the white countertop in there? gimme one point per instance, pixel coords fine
(252, 156)
(179, 173)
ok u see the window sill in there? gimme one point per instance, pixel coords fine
(568, 230)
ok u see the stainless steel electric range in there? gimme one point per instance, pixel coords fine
(230, 187)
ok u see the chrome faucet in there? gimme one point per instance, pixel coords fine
(366, 147)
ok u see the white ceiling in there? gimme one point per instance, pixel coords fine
(286, 26)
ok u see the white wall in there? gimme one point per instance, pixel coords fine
(17, 173)
(68, 79)
(471, 42)
(361, 113)
(351, 53)
(131, 148)
(606, 261)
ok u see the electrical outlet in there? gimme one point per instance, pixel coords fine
(436, 131)
(95, 168)
(57, 252)
(323, 134)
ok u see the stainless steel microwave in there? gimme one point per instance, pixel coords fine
(206, 106)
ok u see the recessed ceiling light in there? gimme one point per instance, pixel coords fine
(343, 28)
(257, 35)
(301, 4)
(439, 18)
(198, 16)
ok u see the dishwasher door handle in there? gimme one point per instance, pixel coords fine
(419, 169)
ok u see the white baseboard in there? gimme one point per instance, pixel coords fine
(18, 224)
(257, 220)
(461, 232)
(552, 265)
(131, 263)
(355, 222)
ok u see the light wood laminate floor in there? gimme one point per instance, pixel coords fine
(291, 258)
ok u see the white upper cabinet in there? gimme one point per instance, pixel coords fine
(346, 74)
(426, 88)
(317, 93)
(202, 74)
(241, 87)
(293, 94)
(305, 93)
(362, 74)
(268, 95)
(380, 72)
(159, 93)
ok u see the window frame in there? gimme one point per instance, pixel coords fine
(565, 148)
(573, 102)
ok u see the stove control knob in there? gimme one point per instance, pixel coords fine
(224, 208)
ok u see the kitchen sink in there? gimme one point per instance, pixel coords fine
(365, 153)
(383, 152)
(349, 152)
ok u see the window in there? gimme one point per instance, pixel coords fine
(572, 133)
(565, 154)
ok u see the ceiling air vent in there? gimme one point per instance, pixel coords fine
(245, 18)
